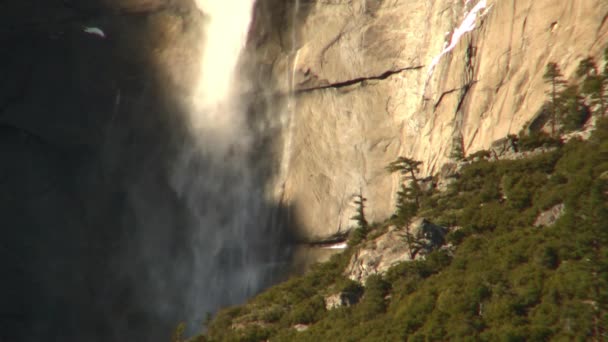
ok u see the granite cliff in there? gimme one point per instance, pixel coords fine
(99, 242)
(374, 80)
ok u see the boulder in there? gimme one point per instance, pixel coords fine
(378, 255)
(549, 217)
(341, 299)
(301, 327)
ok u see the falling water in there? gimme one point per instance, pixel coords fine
(235, 247)
(287, 116)
(217, 108)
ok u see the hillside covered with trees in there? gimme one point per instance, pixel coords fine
(502, 275)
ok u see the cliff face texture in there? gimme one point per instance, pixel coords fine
(97, 243)
(86, 128)
(371, 84)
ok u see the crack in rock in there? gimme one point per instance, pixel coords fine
(359, 80)
(465, 87)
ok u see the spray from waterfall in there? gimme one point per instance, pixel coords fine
(217, 110)
(287, 118)
(233, 247)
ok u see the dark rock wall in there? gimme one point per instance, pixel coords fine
(97, 245)
(86, 125)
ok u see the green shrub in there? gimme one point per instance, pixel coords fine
(534, 140)
(373, 302)
(308, 311)
(505, 280)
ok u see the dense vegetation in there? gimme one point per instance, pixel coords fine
(504, 279)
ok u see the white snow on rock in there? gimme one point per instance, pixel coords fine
(468, 24)
(341, 245)
(94, 31)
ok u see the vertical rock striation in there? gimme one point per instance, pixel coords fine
(371, 83)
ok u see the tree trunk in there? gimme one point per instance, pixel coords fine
(554, 112)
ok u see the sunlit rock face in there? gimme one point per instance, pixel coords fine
(379, 79)
(147, 171)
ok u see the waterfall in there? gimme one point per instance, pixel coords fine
(235, 247)
(287, 116)
(217, 109)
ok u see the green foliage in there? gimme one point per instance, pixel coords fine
(178, 333)
(594, 84)
(307, 312)
(572, 105)
(549, 257)
(534, 140)
(553, 76)
(587, 67)
(409, 199)
(406, 166)
(504, 279)
(350, 288)
(457, 152)
(373, 302)
(412, 241)
(360, 216)
(410, 195)
(356, 237)
(406, 204)
(573, 113)
(362, 229)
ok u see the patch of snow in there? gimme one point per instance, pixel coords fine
(95, 31)
(341, 245)
(468, 24)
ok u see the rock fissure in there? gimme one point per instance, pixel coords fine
(465, 88)
(604, 20)
(359, 80)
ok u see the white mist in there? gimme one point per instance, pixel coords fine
(216, 102)
(234, 246)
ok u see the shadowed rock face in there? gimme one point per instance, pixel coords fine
(96, 243)
(85, 126)
(365, 95)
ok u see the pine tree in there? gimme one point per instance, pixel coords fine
(513, 142)
(573, 111)
(408, 168)
(413, 242)
(553, 76)
(362, 225)
(408, 197)
(360, 216)
(406, 206)
(594, 84)
(457, 148)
